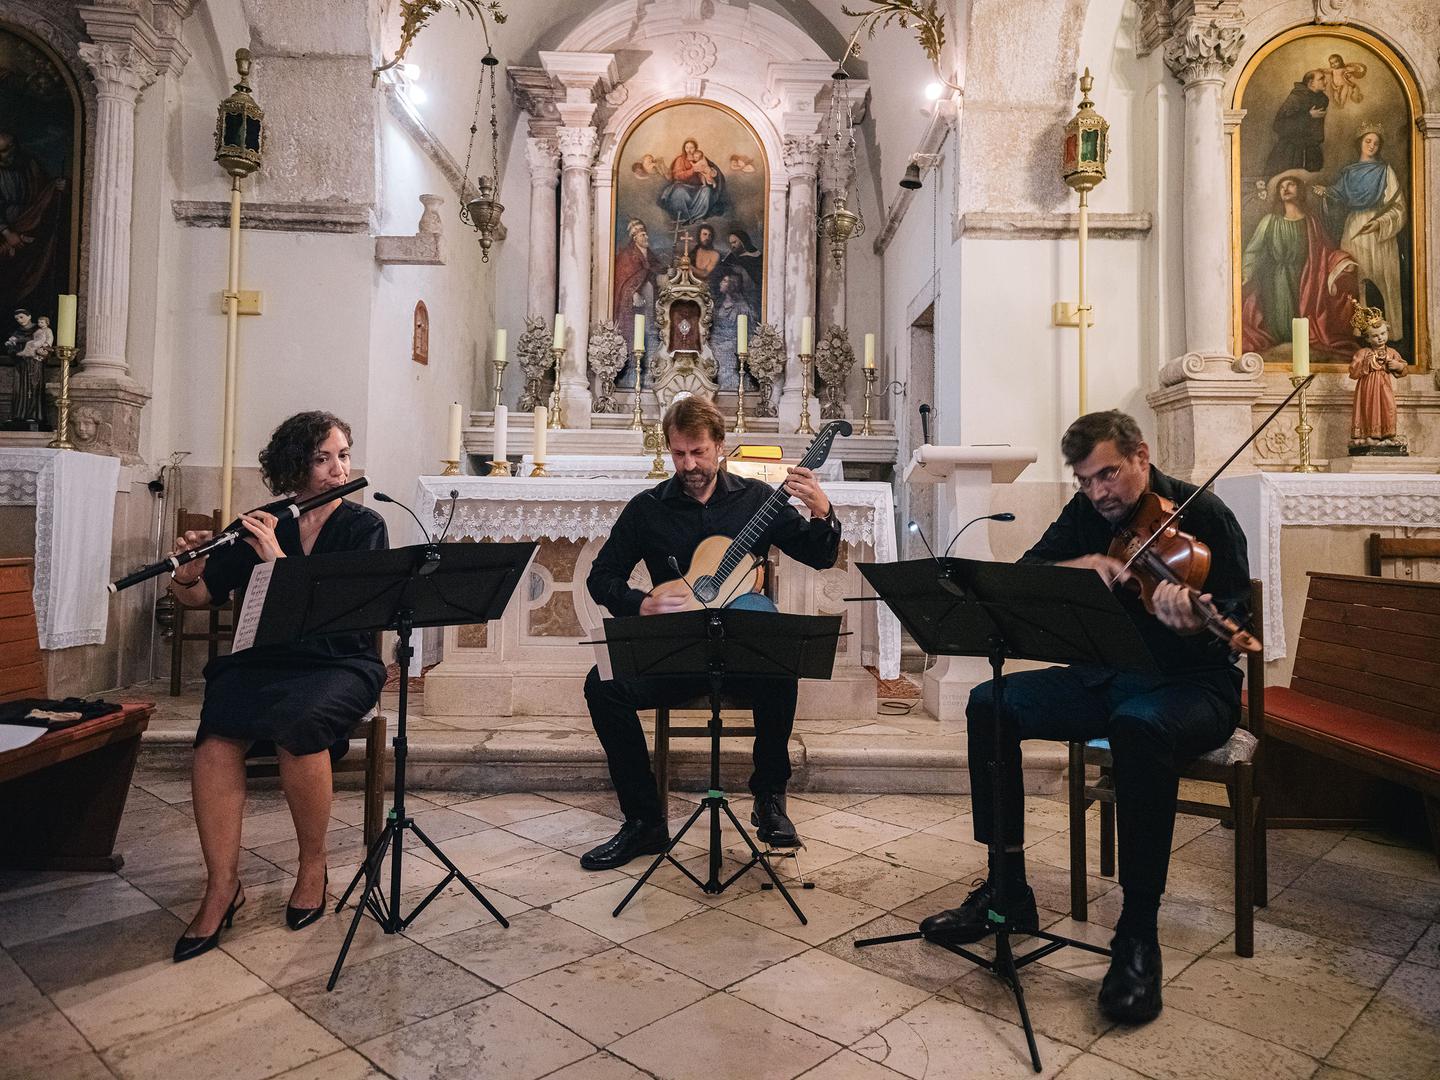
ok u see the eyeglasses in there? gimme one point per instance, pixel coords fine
(1104, 478)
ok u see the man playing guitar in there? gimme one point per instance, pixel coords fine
(663, 526)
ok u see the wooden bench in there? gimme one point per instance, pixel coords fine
(61, 797)
(1365, 691)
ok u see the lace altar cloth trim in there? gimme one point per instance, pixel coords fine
(572, 508)
(72, 539)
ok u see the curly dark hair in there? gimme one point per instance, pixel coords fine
(285, 461)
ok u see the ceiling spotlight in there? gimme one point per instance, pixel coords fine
(933, 91)
(911, 180)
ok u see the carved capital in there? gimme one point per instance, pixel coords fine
(118, 70)
(802, 157)
(1212, 368)
(1203, 50)
(542, 155)
(535, 94)
(577, 146)
(1154, 26)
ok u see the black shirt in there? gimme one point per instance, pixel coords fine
(1082, 530)
(666, 521)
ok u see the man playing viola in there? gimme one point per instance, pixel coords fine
(662, 525)
(1153, 721)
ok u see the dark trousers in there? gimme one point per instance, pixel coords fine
(1154, 723)
(613, 712)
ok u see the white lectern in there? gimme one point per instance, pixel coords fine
(968, 473)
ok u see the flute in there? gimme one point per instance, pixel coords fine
(281, 508)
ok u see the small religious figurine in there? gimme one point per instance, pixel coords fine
(26, 349)
(1372, 424)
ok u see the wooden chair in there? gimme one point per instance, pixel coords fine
(1234, 765)
(1379, 547)
(215, 630)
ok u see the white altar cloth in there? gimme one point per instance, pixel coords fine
(74, 498)
(514, 508)
(630, 467)
(1264, 503)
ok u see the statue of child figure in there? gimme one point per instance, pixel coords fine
(1372, 423)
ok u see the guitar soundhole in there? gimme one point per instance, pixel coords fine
(705, 589)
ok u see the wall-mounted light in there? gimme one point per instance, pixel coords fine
(933, 91)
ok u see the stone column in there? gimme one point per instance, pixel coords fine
(577, 153)
(801, 160)
(541, 154)
(120, 74)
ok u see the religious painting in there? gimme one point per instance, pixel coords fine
(1329, 197)
(40, 129)
(420, 334)
(691, 181)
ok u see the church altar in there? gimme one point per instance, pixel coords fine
(533, 661)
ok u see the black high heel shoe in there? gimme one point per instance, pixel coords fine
(297, 918)
(187, 948)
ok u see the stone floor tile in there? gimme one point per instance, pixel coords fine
(1090, 1067)
(150, 826)
(827, 914)
(606, 996)
(597, 802)
(1373, 851)
(1062, 1006)
(260, 830)
(283, 956)
(911, 811)
(343, 847)
(931, 854)
(534, 942)
(601, 1066)
(1273, 1009)
(420, 871)
(1398, 1035)
(106, 948)
(848, 1065)
(672, 880)
(391, 991)
(853, 831)
(37, 1042)
(346, 1065)
(824, 994)
(1216, 849)
(455, 909)
(1427, 949)
(915, 962)
(943, 1040)
(1184, 925)
(1205, 885)
(1343, 972)
(716, 947)
(961, 829)
(565, 829)
(876, 882)
(1417, 897)
(227, 1044)
(476, 853)
(650, 909)
(442, 823)
(180, 886)
(813, 856)
(438, 797)
(1345, 919)
(42, 915)
(546, 879)
(1092, 966)
(722, 1038)
(836, 800)
(86, 1066)
(1316, 843)
(1181, 1046)
(17, 883)
(496, 1037)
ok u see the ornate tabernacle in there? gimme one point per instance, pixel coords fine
(684, 310)
(834, 357)
(533, 349)
(607, 356)
(766, 361)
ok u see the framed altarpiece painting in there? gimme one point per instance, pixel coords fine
(691, 178)
(1328, 198)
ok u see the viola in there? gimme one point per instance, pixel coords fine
(1155, 549)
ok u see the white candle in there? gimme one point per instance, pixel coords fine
(1300, 347)
(807, 335)
(559, 340)
(869, 350)
(639, 345)
(500, 337)
(452, 439)
(742, 333)
(502, 424)
(542, 417)
(65, 322)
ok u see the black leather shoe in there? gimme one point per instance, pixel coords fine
(634, 839)
(297, 918)
(971, 920)
(1131, 990)
(187, 948)
(772, 827)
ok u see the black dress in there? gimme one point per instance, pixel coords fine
(305, 696)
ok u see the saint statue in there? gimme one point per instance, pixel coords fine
(26, 349)
(1372, 421)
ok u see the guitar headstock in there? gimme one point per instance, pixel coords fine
(820, 448)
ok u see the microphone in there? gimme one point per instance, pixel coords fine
(430, 558)
(914, 527)
(380, 496)
(924, 425)
(675, 565)
(1004, 516)
(454, 498)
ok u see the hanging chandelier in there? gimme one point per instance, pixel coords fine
(839, 224)
(482, 211)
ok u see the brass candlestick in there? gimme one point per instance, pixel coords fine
(498, 468)
(452, 467)
(655, 440)
(500, 366)
(1303, 429)
(740, 358)
(866, 427)
(805, 428)
(65, 353)
(539, 469)
(637, 420)
(556, 421)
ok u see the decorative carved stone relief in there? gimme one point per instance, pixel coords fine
(802, 157)
(695, 52)
(1206, 368)
(1331, 12)
(577, 146)
(1155, 24)
(1203, 49)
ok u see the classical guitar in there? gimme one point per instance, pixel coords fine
(724, 571)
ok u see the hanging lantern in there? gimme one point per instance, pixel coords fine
(1087, 142)
(839, 224)
(240, 127)
(483, 212)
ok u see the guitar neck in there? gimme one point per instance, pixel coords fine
(742, 545)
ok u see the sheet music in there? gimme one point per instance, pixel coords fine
(249, 619)
(14, 736)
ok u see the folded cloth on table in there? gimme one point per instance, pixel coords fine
(48, 713)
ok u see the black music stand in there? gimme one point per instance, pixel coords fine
(1008, 611)
(398, 589)
(713, 644)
